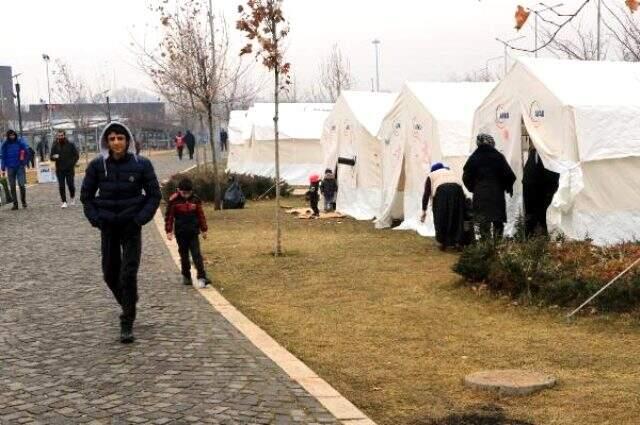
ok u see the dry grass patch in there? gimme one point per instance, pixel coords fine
(381, 317)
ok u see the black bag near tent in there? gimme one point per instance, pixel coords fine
(233, 199)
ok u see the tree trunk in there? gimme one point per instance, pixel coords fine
(212, 142)
(278, 247)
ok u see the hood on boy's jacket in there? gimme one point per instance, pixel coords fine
(104, 144)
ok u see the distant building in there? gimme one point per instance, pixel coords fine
(7, 105)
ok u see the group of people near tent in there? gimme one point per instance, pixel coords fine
(562, 133)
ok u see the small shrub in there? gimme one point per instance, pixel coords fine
(253, 187)
(475, 261)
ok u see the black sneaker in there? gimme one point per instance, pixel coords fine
(126, 333)
(15, 207)
(187, 281)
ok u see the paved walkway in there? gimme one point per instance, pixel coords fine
(60, 359)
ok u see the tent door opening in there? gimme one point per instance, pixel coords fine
(539, 185)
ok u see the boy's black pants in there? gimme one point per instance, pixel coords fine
(121, 249)
(190, 243)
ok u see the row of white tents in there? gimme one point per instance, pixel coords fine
(583, 118)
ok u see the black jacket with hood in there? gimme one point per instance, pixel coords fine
(67, 153)
(119, 191)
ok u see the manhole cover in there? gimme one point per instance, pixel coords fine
(510, 382)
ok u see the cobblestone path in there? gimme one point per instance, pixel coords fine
(60, 359)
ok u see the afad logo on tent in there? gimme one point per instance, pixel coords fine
(502, 116)
(536, 113)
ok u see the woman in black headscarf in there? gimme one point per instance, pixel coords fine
(488, 176)
(445, 188)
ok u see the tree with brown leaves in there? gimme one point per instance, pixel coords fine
(192, 66)
(264, 25)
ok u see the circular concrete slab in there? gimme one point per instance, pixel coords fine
(509, 382)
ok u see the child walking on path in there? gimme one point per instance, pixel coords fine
(185, 218)
(313, 194)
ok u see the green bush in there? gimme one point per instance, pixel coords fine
(253, 187)
(475, 261)
(558, 272)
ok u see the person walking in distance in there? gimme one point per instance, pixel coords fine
(224, 140)
(129, 195)
(65, 154)
(190, 141)
(179, 142)
(15, 157)
(185, 218)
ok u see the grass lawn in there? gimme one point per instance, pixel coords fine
(381, 317)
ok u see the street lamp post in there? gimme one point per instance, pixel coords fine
(376, 43)
(506, 52)
(19, 103)
(46, 59)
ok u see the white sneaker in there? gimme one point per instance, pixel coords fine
(64, 205)
(73, 202)
(202, 283)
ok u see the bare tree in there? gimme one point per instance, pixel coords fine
(583, 47)
(577, 43)
(70, 90)
(192, 67)
(626, 32)
(264, 25)
(335, 75)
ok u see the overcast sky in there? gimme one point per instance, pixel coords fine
(421, 39)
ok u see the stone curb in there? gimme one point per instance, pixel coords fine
(317, 387)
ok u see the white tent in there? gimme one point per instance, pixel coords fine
(300, 128)
(238, 145)
(350, 132)
(429, 122)
(584, 120)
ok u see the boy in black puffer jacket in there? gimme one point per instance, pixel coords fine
(120, 194)
(185, 218)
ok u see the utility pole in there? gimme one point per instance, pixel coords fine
(46, 59)
(376, 43)
(599, 29)
(108, 110)
(506, 53)
(19, 103)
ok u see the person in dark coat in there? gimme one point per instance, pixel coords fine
(313, 194)
(190, 141)
(32, 158)
(43, 147)
(15, 157)
(329, 190)
(66, 156)
(120, 194)
(445, 189)
(185, 218)
(224, 140)
(488, 176)
(538, 185)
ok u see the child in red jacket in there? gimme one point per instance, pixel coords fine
(185, 218)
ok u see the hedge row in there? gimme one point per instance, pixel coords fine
(555, 272)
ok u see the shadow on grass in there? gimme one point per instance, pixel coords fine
(484, 415)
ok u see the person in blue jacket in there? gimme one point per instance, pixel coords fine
(15, 157)
(120, 194)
